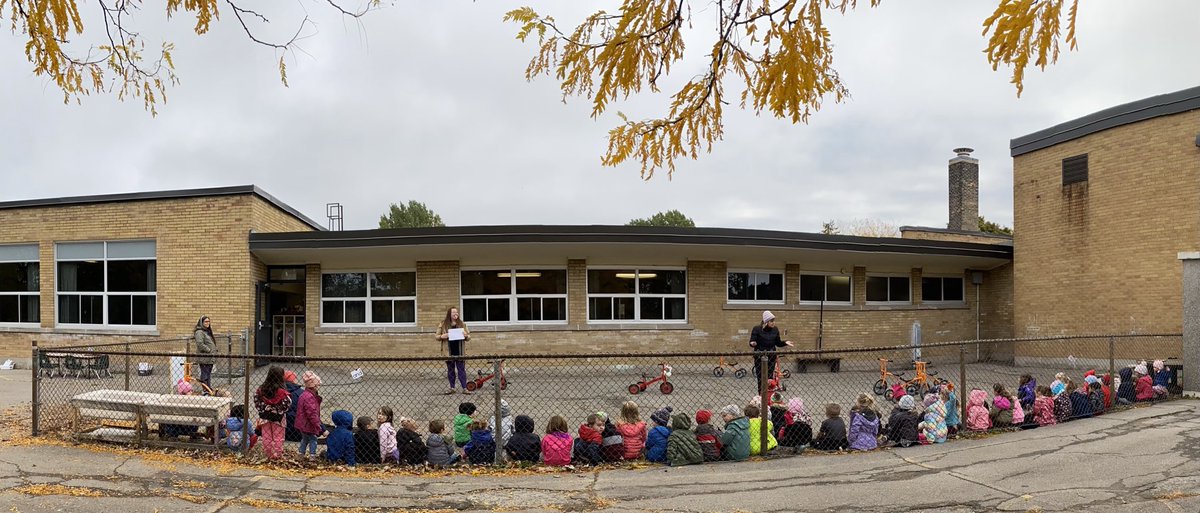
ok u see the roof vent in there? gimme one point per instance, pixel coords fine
(964, 152)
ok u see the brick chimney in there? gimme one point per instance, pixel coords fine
(964, 191)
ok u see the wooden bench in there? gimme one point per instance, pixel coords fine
(835, 364)
(141, 409)
(112, 405)
(205, 412)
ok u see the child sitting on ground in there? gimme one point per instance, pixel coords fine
(708, 436)
(440, 451)
(366, 442)
(1026, 391)
(481, 449)
(506, 423)
(933, 428)
(556, 445)
(682, 447)
(902, 424)
(1126, 391)
(612, 448)
(409, 447)
(524, 445)
(1160, 378)
(462, 424)
(1043, 407)
(1060, 378)
(754, 419)
(864, 425)
(949, 397)
(832, 435)
(587, 446)
(1143, 385)
(633, 431)
(1095, 394)
(1081, 404)
(735, 440)
(978, 416)
(656, 439)
(339, 447)
(169, 431)
(1062, 402)
(387, 440)
(1005, 410)
(797, 434)
(233, 427)
(778, 413)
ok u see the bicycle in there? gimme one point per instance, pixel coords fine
(719, 370)
(665, 387)
(922, 382)
(882, 387)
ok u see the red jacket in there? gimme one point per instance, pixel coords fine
(1144, 388)
(589, 434)
(634, 437)
(308, 413)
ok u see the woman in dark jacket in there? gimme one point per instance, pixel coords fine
(524, 445)
(206, 345)
(765, 337)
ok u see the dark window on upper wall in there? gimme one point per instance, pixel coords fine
(1075, 169)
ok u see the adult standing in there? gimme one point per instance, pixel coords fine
(765, 337)
(453, 333)
(206, 345)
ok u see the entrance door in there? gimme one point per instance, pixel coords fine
(262, 322)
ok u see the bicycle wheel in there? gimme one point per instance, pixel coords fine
(912, 389)
(634, 389)
(880, 388)
(666, 387)
(786, 373)
(472, 386)
(718, 372)
(739, 374)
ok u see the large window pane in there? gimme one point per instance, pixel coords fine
(404, 311)
(10, 309)
(877, 288)
(812, 287)
(529, 309)
(332, 312)
(498, 310)
(623, 309)
(837, 288)
(739, 287)
(652, 308)
(675, 308)
(606, 281)
(68, 309)
(30, 308)
(474, 310)
(481, 283)
(953, 289)
(344, 285)
(131, 276)
(356, 311)
(541, 282)
(91, 309)
(393, 284)
(662, 282)
(81, 276)
(144, 310)
(19, 277)
(120, 310)
(898, 288)
(600, 308)
(931, 289)
(554, 309)
(381, 311)
(768, 286)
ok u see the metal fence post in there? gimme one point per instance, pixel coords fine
(246, 406)
(127, 366)
(763, 414)
(962, 381)
(497, 366)
(229, 360)
(1112, 358)
(36, 395)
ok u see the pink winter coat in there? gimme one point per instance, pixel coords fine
(308, 413)
(633, 436)
(1018, 413)
(556, 449)
(978, 416)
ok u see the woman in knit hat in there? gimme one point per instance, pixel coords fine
(766, 337)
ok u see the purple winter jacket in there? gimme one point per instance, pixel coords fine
(308, 413)
(864, 427)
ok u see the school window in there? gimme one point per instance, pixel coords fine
(888, 289)
(107, 283)
(369, 298)
(941, 289)
(19, 284)
(514, 295)
(637, 295)
(765, 287)
(816, 288)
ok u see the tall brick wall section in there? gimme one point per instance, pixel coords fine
(964, 194)
(1100, 256)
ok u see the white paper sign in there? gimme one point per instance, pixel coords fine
(456, 334)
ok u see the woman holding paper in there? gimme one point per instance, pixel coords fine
(453, 331)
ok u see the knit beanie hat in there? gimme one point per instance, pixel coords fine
(906, 403)
(289, 376)
(1158, 365)
(1140, 369)
(311, 379)
(183, 387)
(661, 416)
(767, 315)
(703, 416)
(756, 400)
(1057, 388)
(732, 410)
(1091, 379)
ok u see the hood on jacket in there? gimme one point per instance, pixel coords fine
(481, 435)
(681, 421)
(1002, 403)
(740, 423)
(1126, 375)
(977, 397)
(523, 424)
(868, 414)
(505, 410)
(343, 419)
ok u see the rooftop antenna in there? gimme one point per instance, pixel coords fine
(333, 211)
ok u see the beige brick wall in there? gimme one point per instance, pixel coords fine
(203, 261)
(917, 233)
(1100, 256)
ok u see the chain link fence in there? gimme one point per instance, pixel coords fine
(124, 393)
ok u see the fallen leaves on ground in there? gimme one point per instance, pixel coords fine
(57, 489)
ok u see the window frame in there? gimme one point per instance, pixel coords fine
(942, 278)
(782, 276)
(513, 297)
(367, 320)
(106, 293)
(889, 301)
(637, 295)
(800, 288)
(19, 294)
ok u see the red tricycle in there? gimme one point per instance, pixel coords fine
(665, 387)
(775, 379)
(482, 378)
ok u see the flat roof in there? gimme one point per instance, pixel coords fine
(1141, 110)
(161, 195)
(606, 234)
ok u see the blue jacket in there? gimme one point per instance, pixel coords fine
(290, 433)
(656, 444)
(952, 410)
(1081, 405)
(1025, 394)
(1162, 378)
(340, 444)
(481, 450)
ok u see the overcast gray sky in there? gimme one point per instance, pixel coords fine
(427, 101)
